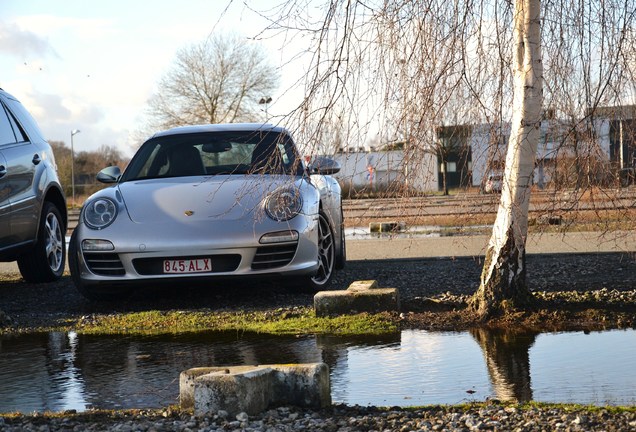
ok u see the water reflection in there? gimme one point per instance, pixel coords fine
(59, 371)
(507, 355)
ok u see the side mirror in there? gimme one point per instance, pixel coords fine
(109, 175)
(324, 166)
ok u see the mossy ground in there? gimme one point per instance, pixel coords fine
(298, 320)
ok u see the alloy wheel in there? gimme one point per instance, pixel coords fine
(326, 252)
(54, 242)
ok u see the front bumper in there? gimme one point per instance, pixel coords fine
(138, 255)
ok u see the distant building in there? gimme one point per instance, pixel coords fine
(597, 147)
(594, 149)
(617, 127)
(379, 171)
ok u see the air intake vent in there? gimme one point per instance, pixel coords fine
(104, 264)
(268, 257)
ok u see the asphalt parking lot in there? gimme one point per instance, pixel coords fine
(397, 247)
(475, 245)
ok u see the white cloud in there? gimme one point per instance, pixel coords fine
(50, 107)
(83, 28)
(93, 67)
(23, 44)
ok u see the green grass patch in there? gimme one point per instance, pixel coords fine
(611, 409)
(528, 406)
(283, 322)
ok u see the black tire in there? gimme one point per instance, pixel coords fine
(342, 256)
(326, 259)
(46, 260)
(102, 294)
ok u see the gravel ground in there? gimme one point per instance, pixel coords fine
(603, 279)
(343, 418)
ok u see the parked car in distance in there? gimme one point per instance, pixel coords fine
(33, 215)
(210, 203)
(493, 183)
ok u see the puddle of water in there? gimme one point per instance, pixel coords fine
(363, 233)
(416, 231)
(60, 371)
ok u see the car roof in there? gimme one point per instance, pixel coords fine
(6, 94)
(221, 127)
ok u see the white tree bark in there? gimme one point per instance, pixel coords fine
(504, 272)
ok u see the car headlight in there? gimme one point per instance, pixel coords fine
(99, 213)
(283, 204)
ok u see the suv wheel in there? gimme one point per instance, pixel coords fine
(45, 262)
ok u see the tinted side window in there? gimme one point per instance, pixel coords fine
(19, 132)
(25, 119)
(6, 131)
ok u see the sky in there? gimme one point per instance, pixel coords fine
(92, 65)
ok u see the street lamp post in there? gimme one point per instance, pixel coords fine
(265, 100)
(73, 133)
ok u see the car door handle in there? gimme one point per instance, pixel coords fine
(3, 171)
(36, 159)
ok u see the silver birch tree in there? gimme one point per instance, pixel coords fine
(415, 65)
(503, 278)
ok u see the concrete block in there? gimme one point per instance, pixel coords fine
(363, 285)
(302, 385)
(548, 219)
(387, 227)
(361, 296)
(187, 380)
(253, 389)
(245, 391)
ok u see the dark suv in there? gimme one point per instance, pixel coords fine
(32, 203)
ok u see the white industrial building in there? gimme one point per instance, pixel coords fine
(609, 144)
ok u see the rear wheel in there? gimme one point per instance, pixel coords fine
(45, 262)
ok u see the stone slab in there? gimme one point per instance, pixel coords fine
(253, 389)
(361, 296)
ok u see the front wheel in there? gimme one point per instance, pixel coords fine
(341, 259)
(45, 262)
(326, 259)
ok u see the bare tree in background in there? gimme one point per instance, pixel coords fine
(87, 165)
(401, 69)
(63, 161)
(219, 80)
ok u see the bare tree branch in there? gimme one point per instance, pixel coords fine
(219, 80)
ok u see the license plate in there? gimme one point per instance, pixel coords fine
(180, 266)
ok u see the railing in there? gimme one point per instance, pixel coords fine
(73, 218)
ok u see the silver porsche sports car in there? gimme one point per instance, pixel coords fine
(206, 203)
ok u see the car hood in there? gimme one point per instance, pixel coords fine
(209, 198)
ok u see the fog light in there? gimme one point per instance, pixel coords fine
(279, 237)
(91, 245)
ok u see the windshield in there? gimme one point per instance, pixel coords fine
(215, 153)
